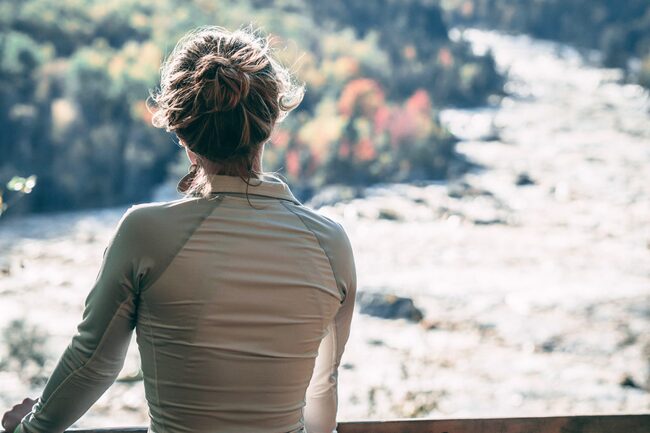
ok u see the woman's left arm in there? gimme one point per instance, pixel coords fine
(94, 358)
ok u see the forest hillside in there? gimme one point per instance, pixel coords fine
(75, 77)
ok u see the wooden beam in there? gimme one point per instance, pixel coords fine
(565, 424)
(560, 424)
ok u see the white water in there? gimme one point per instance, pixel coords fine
(548, 312)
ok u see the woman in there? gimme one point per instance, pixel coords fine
(241, 297)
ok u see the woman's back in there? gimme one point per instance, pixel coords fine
(234, 322)
(233, 306)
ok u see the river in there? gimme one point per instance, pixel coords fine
(532, 270)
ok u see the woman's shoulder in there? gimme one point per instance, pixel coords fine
(335, 243)
(318, 222)
(155, 208)
(165, 212)
(149, 235)
(333, 239)
(161, 222)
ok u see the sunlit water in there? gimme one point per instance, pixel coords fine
(536, 297)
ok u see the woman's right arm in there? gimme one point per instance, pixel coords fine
(322, 393)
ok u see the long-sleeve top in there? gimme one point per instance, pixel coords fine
(241, 303)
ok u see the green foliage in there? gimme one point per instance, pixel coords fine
(19, 186)
(413, 35)
(23, 185)
(75, 75)
(21, 54)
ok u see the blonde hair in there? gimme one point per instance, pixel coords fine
(222, 93)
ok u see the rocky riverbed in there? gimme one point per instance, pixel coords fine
(530, 274)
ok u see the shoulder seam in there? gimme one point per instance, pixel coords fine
(182, 244)
(329, 259)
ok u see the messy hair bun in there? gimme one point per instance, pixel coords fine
(222, 93)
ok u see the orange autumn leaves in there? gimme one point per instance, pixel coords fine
(361, 130)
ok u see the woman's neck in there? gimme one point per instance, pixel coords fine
(233, 169)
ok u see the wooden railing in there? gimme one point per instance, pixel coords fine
(562, 424)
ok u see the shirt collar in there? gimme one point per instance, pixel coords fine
(269, 186)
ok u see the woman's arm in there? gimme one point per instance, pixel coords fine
(92, 361)
(322, 394)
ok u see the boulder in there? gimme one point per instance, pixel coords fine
(388, 306)
(524, 179)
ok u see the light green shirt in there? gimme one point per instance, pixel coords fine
(241, 315)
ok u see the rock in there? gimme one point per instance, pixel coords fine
(5, 268)
(388, 306)
(489, 221)
(429, 324)
(628, 381)
(457, 190)
(524, 179)
(549, 345)
(332, 194)
(419, 404)
(628, 337)
(463, 189)
(389, 214)
(487, 329)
